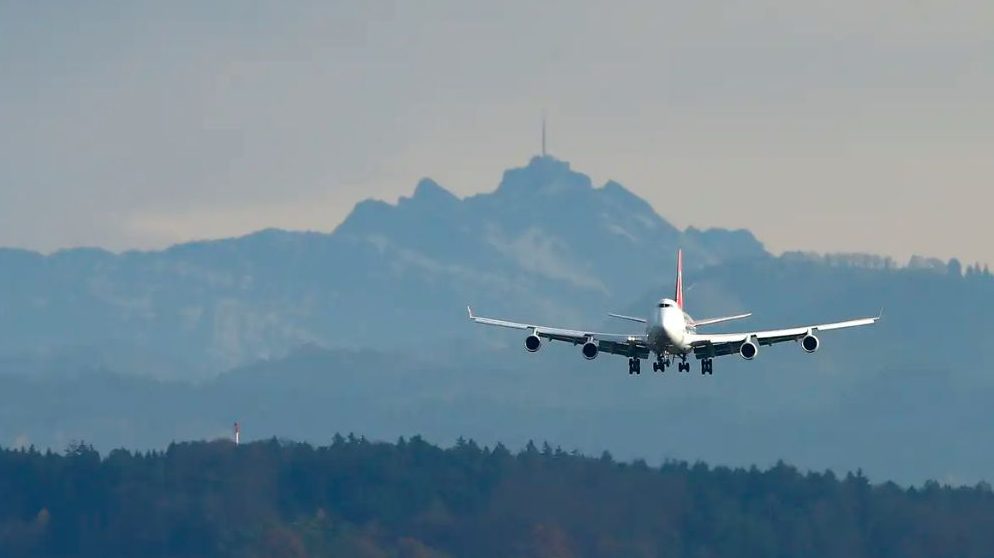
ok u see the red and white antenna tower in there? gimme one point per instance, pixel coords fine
(238, 431)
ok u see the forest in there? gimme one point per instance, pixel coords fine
(360, 498)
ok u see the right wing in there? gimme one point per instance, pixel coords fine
(614, 343)
(719, 344)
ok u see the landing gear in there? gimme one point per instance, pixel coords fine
(660, 365)
(634, 366)
(707, 366)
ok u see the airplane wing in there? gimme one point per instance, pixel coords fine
(712, 321)
(629, 318)
(614, 343)
(712, 345)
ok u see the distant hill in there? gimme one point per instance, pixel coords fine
(904, 423)
(413, 499)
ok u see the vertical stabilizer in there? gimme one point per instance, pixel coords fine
(679, 278)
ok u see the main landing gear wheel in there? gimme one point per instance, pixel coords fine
(707, 366)
(684, 366)
(660, 364)
(634, 366)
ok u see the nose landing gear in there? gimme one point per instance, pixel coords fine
(660, 364)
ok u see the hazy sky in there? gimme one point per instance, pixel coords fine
(835, 125)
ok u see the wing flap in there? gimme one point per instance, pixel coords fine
(631, 349)
(716, 350)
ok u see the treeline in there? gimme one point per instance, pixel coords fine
(858, 260)
(413, 499)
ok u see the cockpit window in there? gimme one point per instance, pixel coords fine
(664, 304)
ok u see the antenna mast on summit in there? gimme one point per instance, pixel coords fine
(543, 134)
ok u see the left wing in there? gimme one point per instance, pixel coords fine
(614, 343)
(629, 318)
(706, 346)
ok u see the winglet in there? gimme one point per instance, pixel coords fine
(470, 312)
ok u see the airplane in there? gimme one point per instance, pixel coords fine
(671, 335)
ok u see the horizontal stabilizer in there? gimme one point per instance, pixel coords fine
(712, 321)
(629, 318)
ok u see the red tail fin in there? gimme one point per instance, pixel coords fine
(679, 278)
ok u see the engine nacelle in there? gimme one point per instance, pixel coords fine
(589, 350)
(532, 343)
(749, 350)
(810, 343)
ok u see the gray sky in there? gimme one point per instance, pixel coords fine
(836, 125)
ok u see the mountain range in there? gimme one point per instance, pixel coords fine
(545, 242)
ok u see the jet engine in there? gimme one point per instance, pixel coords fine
(810, 343)
(532, 343)
(590, 350)
(749, 350)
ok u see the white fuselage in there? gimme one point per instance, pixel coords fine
(667, 329)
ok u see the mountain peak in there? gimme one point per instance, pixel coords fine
(547, 162)
(430, 191)
(545, 175)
